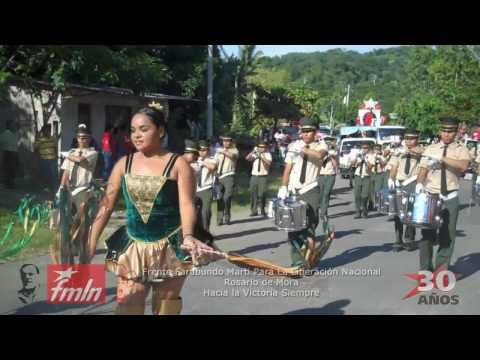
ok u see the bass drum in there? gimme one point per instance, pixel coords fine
(422, 210)
(291, 214)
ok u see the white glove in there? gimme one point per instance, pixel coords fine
(391, 184)
(332, 152)
(419, 188)
(433, 163)
(282, 192)
(397, 183)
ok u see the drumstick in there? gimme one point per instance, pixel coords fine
(245, 261)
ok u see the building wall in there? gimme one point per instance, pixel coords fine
(98, 102)
(25, 111)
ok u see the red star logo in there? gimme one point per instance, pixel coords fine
(421, 284)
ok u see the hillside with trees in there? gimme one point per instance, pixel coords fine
(251, 91)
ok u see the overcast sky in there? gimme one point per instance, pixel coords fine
(274, 50)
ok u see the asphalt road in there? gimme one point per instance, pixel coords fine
(360, 274)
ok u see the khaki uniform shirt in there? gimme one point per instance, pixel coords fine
(400, 161)
(327, 166)
(369, 159)
(379, 168)
(80, 176)
(312, 169)
(456, 151)
(226, 166)
(263, 169)
(203, 176)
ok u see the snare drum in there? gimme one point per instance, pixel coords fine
(422, 210)
(291, 214)
(389, 202)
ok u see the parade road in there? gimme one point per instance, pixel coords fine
(360, 274)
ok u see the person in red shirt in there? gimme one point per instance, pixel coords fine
(109, 149)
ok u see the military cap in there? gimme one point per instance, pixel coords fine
(203, 145)
(307, 123)
(411, 133)
(448, 124)
(262, 143)
(83, 130)
(226, 136)
(190, 146)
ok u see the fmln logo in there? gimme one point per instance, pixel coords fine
(442, 280)
(76, 284)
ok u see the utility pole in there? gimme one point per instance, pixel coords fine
(347, 100)
(210, 93)
(331, 116)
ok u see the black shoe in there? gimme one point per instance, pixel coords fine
(220, 223)
(227, 221)
(263, 213)
(410, 246)
(254, 213)
(397, 247)
(357, 216)
(364, 215)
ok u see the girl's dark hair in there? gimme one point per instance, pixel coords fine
(157, 117)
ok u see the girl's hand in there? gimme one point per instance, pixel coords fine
(201, 254)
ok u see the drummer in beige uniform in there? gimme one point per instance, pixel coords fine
(403, 174)
(440, 170)
(363, 164)
(302, 168)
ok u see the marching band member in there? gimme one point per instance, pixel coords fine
(207, 167)
(191, 156)
(363, 163)
(440, 169)
(302, 167)
(262, 160)
(377, 181)
(79, 166)
(153, 250)
(226, 158)
(474, 154)
(326, 180)
(403, 173)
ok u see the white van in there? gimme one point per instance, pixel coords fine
(390, 134)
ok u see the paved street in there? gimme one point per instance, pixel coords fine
(360, 274)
